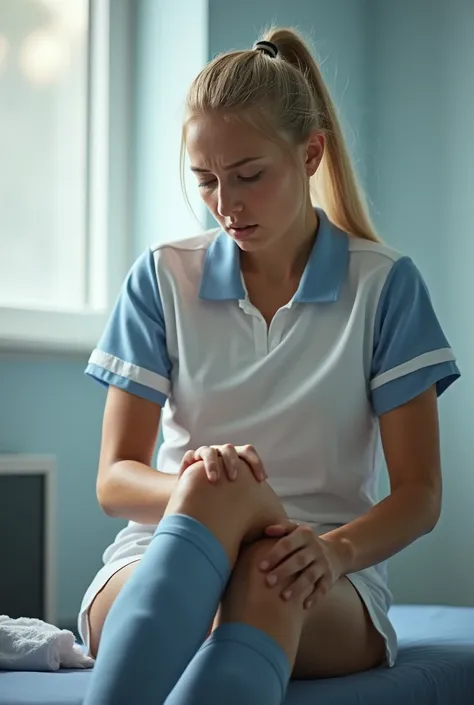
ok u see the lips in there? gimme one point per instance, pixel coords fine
(242, 232)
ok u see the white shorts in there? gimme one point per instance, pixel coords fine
(130, 546)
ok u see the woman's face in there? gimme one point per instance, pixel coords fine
(255, 189)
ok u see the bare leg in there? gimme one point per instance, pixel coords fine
(335, 637)
(209, 503)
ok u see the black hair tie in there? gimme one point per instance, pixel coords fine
(268, 48)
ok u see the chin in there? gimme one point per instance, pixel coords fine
(248, 246)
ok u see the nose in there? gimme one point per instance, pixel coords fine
(227, 202)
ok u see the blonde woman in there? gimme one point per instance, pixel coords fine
(282, 353)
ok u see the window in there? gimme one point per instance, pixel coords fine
(43, 94)
(57, 277)
(91, 92)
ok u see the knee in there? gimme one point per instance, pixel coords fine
(245, 489)
(244, 504)
(194, 477)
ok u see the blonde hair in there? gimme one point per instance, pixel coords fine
(286, 96)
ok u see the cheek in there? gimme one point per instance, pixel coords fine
(291, 187)
(282, 196)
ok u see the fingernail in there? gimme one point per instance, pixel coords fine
(264, 565)
(233, 473)
(308, 604)
(212, 475)
(262, 476)
(287, 594)
(271, 579)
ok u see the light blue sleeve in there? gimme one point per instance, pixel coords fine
(132, 352)
(411, 352)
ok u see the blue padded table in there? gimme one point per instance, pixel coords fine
(435, 666)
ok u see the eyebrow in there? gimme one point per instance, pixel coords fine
(241, 162)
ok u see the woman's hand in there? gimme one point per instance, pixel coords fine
(312, 561)
(224, 459)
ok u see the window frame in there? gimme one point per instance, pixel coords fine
(108, 200)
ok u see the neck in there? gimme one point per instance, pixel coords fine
(287, 258)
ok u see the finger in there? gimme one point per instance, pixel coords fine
(252, 458)
(230, 459)
(318, 592)
(187, 460)
(304, 585)
(281, 529)
(276, 530)
(211, 461)
(282, 548)
(293, 567)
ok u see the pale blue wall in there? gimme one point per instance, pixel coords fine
(394, 72)
(421, 170)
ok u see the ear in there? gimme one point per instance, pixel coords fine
(314, 152)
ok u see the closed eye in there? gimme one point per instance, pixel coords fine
(248, 179)
(206, 184)
(255, 177)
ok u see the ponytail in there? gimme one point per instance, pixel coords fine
(335, 185)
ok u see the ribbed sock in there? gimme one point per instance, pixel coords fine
(162, 615)
(237, 665)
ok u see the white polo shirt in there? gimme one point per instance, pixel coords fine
(359, 338)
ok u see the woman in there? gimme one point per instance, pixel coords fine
(290, 347)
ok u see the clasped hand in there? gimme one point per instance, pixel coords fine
(219, 459)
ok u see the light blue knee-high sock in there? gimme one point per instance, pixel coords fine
(161, 616)
(237, 665)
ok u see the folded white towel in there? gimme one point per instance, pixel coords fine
(33, 645)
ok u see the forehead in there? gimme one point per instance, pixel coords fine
(217, 140)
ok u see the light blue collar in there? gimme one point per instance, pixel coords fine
(322, 278)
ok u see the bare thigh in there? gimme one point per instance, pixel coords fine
(102, 603)
(338, 636)
(335, 637)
